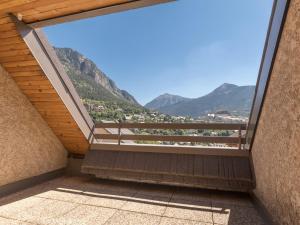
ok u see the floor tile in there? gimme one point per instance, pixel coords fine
(5, 221)
(231, 215)
(192, 195)
(190, 210)
(110, 201)
(147, 204)
(83, 215)
(45, 210)
(132, 218)
(110, 187)
(64, 194)
(237, 199)
(11, 209)
(163, 191)
(172, 221)
(221, 214)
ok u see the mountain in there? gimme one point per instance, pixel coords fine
(164, 101)
(229, 97)
(89, 81)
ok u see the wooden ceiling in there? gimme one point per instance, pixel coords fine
(18, 61)
(36, 10)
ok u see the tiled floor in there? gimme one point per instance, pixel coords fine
(74, 201)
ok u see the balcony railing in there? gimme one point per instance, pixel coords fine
(224, 143)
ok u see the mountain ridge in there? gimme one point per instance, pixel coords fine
(91, 83)
(230, 97)
(165, 100)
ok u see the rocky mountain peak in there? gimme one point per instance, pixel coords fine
(77, 64)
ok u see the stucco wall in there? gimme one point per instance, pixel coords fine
(276, 149)
(28, 147)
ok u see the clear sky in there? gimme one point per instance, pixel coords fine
(187, 47)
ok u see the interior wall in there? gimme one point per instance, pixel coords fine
(28, 146)
(276, 149)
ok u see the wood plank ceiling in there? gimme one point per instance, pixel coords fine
(18, 61)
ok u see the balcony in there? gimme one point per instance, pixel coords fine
(215, 162)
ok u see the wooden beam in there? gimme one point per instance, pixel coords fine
(52, 68)
(174, 138)
(172, 149)
(175, 126)
(134, 4)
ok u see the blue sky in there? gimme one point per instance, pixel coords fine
(187, 47)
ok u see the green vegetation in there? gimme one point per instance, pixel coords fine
(113, 110)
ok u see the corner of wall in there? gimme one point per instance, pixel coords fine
(27, 144)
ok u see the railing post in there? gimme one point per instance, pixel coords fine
(240, 137)
(119, 133)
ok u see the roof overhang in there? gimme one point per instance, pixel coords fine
(119, 7)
